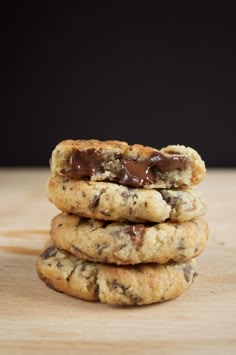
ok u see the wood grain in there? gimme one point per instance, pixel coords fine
(34, 319)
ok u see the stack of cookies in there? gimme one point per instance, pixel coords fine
(130, 226)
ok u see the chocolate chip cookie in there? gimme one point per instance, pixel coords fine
(123, 243)
(130, 165)
(116, 285)
(109, 201)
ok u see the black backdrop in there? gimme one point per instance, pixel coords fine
(156, 76)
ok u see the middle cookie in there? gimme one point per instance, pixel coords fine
(122, 243)
(109, 201)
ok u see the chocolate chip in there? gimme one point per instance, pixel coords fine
(131, 211)
(181, 245)
(118, 286)
(95, 202)
(125, 194)
(135, 230)
(116, 233)
(135, 299)
(136, 233)
(171, 200)
(125, 290)
(48, 253)
(59, 225)
(59, 265)
(187, 272)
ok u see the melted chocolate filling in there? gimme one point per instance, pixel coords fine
(84, 164)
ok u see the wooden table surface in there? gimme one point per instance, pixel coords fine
(35, 319)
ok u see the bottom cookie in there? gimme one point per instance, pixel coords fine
(117, 285)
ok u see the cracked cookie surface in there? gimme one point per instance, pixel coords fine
(125, 243)
(116, 285)
(109, 201)
(130, 165)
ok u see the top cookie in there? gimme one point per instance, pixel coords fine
(130, 165)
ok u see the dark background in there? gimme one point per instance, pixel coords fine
(156, 76)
